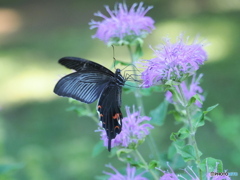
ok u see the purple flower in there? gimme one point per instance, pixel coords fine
(172, 176)
(134, 130)
(131, 174)
(189, 90)
(168, 175)
(173, 62)
(123, 26)
(189, 175)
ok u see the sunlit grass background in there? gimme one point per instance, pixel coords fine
(39, 139)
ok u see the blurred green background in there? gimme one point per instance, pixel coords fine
(39, 139)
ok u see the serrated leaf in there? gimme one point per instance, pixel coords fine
(211, 165)
(98, 149)
(159, 114)
(186, 151)
(183, 133)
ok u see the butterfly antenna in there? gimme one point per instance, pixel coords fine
(114, 57)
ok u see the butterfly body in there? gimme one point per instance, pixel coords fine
(90, 82)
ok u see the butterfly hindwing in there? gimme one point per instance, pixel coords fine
(110, 113)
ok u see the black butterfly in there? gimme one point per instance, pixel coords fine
(90, 82)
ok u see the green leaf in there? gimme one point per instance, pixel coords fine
(183, 133)
(173, 136)
(209, 164)
(98, 149)
(198, 119)
(122, 152)
(210, 108)
(186, 151)
(153, 164)
(159, 114)
(123, 156)
(193, 99)
(177, 115)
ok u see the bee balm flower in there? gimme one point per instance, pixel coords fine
(131, 174)
(189, 90)
(173, 62)
(134, 130)
(124, 26)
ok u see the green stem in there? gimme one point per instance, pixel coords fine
(139, 101)
(137, 93)
(145, 164)
(192, 140)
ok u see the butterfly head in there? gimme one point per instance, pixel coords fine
(118, 71)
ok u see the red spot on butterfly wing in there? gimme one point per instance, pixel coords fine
(116, 116)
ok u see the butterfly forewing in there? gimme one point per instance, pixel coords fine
(84, 86)
(80, 64)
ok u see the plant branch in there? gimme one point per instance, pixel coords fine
(145, 164)
(192, 139)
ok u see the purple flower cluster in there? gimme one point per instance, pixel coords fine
(131, 174)
(123, 26)
(134, 130)
(189, 90)
(173, 62)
